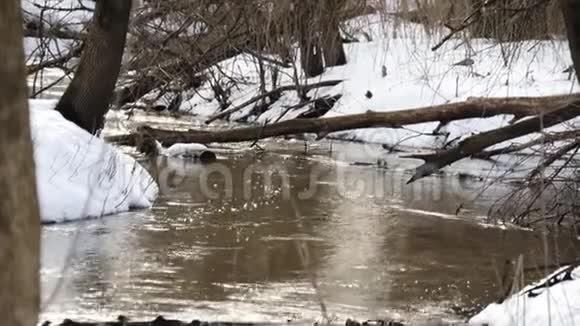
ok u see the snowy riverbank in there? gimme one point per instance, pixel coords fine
(555, 301)
(79, 175)
(393, 73)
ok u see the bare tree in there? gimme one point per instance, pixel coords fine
(306, 24)
(571, 12)
(332, 47)
(86, 100)
(19, 221)
(318, 27)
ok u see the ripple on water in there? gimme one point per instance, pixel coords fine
(400, 252)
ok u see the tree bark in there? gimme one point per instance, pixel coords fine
(19, 221)
(332, 47)
(511, 20)
(571, 12)
(477, 143)
(311, 57)
(310, 52)
(86, 100)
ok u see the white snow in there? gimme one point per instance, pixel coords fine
(79, 175)
(181, 149)
(401, 71)
(555, 305)
(67, 14)
(415, 77)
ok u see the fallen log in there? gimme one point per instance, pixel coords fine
(540, 100)
(475, 144)
(323, 126)
(547, 138)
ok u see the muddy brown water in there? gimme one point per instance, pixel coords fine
(226, 242)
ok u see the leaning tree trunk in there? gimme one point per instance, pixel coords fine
(19, 222)
(86, 101)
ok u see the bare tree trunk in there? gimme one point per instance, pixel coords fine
(318, 24)
(332, 46)
(311, 58)
(511, 20)
(571, 11)
(310, 52)
(19, 221)
(86, 100)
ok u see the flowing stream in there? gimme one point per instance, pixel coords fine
(288, 234)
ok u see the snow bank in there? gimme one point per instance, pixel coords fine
(553, 301)
(79, 175)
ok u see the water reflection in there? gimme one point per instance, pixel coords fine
(374, 246)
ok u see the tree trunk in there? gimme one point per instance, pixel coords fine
(511, 20)
(332, 47)
(86, 100)
(310, 54)
(19, 221)
(571, 11)
(311, 58)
